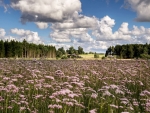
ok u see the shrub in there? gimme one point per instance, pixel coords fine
(64, 57)
(145, 56)
(96, 55)
(103, 57)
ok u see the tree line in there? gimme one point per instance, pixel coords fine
(16, 49)
(129, 51)
(69, 53)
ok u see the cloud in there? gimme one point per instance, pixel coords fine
(95, 46)
(46, 10)
(77, 21)
(4, 37)
(142, 8)
(60, 36)
(75, 27)
(2, 33)
(124, 28)
(2, 4)
(20, 32)
(41, 25)
(30, 36)
(66, 35)
(103, 30)
(85, 38)
(9, 38)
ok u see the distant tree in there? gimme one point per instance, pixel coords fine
(80, 50)
(71, 50)
(8, 49)
(138, 50)
(25, 43)
(96, 55)
(2, 49)
(25, 50)
(91, 52)
(62, 50)
(108, 51)
(117, 50)
(112, 50)
(59, 54)
(130, 52)
(145, 50)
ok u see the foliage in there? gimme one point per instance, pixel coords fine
(80, 50)
(73, 86)
(91, 52)
(15, 49)
(96, 55)
(62, 50)
(129, 50)
(145, 56)
(59, 54)
(71, 50)
(70, 53)
(103, 57)
(64, 57)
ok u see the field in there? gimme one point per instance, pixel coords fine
(90, 56)
(74, 86)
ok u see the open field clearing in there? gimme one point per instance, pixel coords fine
(74, 86)
(90, 56)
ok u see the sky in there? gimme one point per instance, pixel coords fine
(94, 25)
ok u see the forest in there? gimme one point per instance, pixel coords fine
(15, 49)
(129, 51)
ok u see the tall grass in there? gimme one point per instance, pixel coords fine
(70, 86)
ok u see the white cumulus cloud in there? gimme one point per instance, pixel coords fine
(2, 33)
(42, 25)
(142, 8)
(30, 36)
(46, 10)
(76, 27)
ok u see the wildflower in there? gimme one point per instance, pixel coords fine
(49, 77)
(114, 86)
(107, 93)
(38, 96)
(22, 108)
(79, 105)
(55, 106)
(141, 83)
(93, 111)
(135, 103)
(94, 95)
(59, 73)
(14, 80)
(72, 95)
(69, 103)
(1, 99)
(9, 107)
(146, 92)
(118, 91)
(12, 88)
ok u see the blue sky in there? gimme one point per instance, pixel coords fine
(93, 24)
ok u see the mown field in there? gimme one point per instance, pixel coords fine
(74, 86)
(90, 56)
